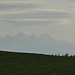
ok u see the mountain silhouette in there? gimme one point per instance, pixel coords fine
(45, 36)
(20, 35)
(42, 44)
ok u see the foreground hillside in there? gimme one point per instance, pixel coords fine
(35, 64)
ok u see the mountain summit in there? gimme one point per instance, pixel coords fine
(20, 35)
(32, 35)
(45, 36)
(42, 44)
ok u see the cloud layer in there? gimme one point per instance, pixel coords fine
(57, 17)
(25, 11)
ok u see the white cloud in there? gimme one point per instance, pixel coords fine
(38, 14)
(19, 6)
(34, 12)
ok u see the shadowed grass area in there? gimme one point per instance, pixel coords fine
(12, 63)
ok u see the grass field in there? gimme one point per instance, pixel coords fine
(35, 64)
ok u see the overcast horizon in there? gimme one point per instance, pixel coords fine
(55, 17)
(44, 44)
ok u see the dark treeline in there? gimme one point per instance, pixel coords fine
(65, 55)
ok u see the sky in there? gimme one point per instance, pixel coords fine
(55, 17)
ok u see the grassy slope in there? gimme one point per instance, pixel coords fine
(35, 64)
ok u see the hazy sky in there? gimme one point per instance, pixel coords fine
(56, 17)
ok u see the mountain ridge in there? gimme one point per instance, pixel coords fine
(42, 44)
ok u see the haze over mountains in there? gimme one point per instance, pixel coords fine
(33, 44)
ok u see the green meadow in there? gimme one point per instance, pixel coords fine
(14, 63)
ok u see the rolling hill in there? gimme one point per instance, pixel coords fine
(13, 63)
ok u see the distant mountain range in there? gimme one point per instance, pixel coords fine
(33, 44)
